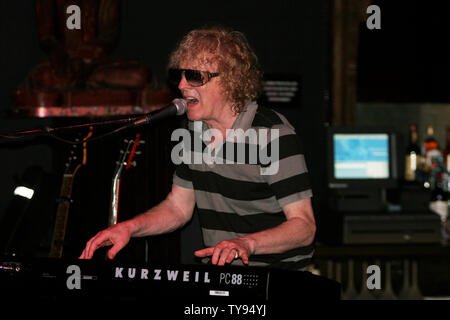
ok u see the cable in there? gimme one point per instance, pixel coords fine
(47, 131)
(52, 135)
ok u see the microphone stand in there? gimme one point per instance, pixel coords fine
(177, 107)
(125, 122)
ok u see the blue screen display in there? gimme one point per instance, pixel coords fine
(361, 156)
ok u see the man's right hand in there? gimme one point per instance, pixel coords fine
(170, 214)
(117, 236)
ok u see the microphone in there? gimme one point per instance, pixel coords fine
(176, 107)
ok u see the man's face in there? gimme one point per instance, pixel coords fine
(210, 101)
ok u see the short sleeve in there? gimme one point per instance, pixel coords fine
(182, 176)
(287, 174)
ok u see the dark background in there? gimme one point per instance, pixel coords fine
(290, 37)
(401, 62)
(406, 60)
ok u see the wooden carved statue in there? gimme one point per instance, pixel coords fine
(78, 65)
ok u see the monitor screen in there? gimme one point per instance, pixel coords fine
(361, 156)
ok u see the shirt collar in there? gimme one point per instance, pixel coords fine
(243, 121)
(245, 118)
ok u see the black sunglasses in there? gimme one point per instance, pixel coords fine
(195, 78)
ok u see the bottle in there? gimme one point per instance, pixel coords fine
(446, 152)
(412, 154)
(430, 142)
(446, 188)
(430, 150)
(439, 197)
(430, 147)
(438, 200)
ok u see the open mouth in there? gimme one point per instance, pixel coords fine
(191, 101)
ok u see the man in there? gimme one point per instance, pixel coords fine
(247, 215)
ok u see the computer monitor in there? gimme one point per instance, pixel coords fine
(362, 162)
(362, 157)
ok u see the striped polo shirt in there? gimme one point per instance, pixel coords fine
(244, 189)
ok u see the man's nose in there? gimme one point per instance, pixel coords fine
(183, 83)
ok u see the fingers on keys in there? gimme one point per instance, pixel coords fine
(222, 255)
(101, 239)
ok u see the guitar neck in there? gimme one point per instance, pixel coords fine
(114, 204)
(124, 163)
(62, 214)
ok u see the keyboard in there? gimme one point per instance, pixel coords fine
(112, 281)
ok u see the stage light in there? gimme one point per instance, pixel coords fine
(24, 192)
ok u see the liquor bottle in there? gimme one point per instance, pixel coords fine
(446, 152)
(412, 154)
(439, 198)
(430, 142)
(430, 147)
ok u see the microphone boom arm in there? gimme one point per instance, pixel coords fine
(178, 107)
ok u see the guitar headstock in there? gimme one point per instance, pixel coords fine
(74, 159)
(77, 155)
(128, 153)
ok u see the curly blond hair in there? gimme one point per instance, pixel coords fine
(240, 73)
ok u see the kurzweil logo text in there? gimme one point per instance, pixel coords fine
(161, 275)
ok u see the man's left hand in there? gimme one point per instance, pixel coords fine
(226, 251)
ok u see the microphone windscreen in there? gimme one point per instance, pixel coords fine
(181, 105)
